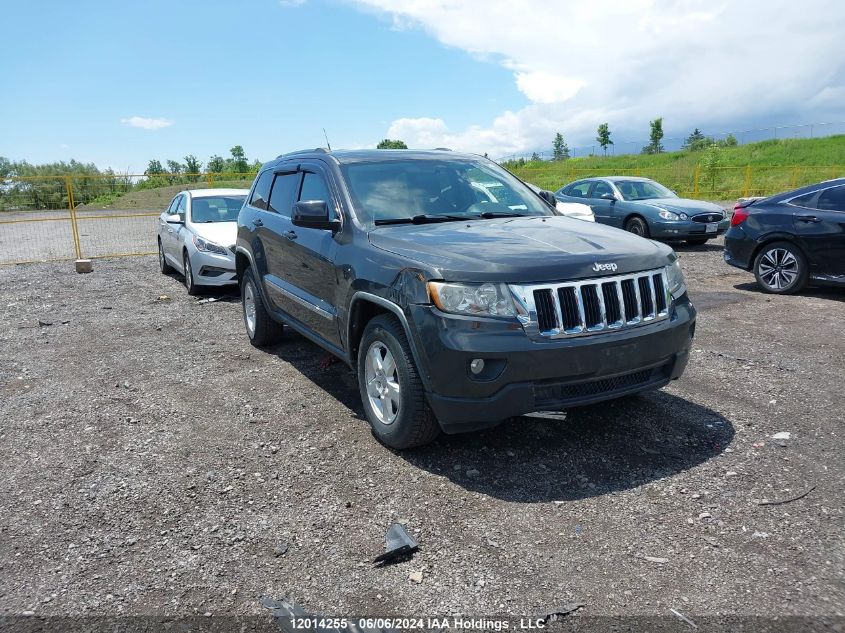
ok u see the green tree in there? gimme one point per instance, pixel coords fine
(710, 164)
(560, 150)
(192, 165)
(239, 163)
(696, 141)
(535, 157)
(391, 144)
(730, 141)
(655, 136)
(603, 137)
(154, 168)
(174, 167)
(216, 164)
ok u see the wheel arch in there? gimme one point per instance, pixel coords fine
(362, 309)
(776, 237)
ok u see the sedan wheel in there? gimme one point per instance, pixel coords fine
(637, 226)
(193, 288)
(780, 268)
(162, 262)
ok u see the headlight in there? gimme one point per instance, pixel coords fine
(675, 279)
(667, 215)
(472, 299)
(209, 247)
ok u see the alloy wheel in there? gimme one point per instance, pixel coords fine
(382, 380)
(778, 268)
(249, 308)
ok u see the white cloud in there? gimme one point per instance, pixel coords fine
(146, 123)
(291, 4)
(705, 63)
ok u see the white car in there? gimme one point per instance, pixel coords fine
(570, 209)
(196, 236)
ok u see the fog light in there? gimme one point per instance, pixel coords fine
(477, 365)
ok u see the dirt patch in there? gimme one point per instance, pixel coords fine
(154, 463)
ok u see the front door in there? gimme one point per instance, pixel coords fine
(309, 261)
(602, 208)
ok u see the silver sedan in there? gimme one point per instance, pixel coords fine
(196, 236)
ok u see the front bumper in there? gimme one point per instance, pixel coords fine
(522, 376)
(211, 269)
(685, 229)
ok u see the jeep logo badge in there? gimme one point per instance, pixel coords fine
(602, 267)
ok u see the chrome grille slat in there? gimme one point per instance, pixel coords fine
(593, 306)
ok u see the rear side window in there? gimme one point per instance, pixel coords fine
(282, 193)
(832, 199)
(807, 200)
(261, 192)
(578, 190)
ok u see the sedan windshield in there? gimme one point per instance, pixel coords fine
(643, 190)
(419, 191)
(216, 209)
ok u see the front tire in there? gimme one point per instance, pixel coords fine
(391, 389)
(637, 226)
(781, 268)
(698, 242)
(193, 288)
(165, 268)
(261, 329)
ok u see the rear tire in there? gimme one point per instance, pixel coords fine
(390, 387)
(698, 242)
(165, 268)
(193, 288)
(781, 268)
(637, 226)
(261, 329)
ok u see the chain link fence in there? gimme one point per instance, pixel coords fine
(49, 218)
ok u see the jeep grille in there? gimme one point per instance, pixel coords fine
(593, 305)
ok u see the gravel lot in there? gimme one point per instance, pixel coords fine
(154, 463)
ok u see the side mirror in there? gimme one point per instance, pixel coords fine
(314, 214)
(174, 219)
(548, 197)
(608, 196)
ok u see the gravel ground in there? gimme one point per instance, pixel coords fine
(154, 463)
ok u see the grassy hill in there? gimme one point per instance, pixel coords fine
(755, 169)
(156, 199)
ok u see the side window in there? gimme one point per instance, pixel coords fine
(832, 199)
(314, 188)
(171, 210)
(182, 207)
(578, 190)
(600, 189)
(282, 193)
(261, 192)
(807, 200)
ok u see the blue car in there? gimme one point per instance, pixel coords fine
(647, 208)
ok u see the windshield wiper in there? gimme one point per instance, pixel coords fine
(502, 214)
(423, 218)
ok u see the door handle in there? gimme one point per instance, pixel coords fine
(809, 218)
(258, 221)
(291, 235)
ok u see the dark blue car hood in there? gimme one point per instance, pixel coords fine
(521, 250)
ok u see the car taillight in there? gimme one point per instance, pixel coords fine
(740, 215)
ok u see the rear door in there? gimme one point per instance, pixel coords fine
(819, 220)
(274, 231)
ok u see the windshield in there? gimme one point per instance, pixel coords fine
(216, 209)
(395, 191)
(643, 190)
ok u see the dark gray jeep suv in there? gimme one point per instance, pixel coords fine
(456, 308)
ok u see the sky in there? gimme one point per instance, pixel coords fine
(119, 83)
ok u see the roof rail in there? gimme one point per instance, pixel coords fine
(316, 150)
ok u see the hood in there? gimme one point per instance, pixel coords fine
(676, 205)
(223, 233)
(521, 250)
